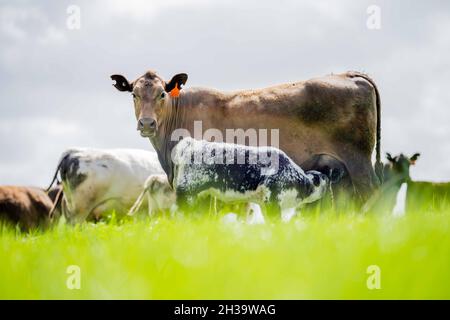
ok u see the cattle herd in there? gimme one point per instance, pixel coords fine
(327, 127)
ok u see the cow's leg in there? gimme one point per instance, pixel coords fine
(97, 212)
(137, 204)
(81, 202)
(184, 202)
(287, 214)
(363, 180)
(254, 214)
(361, 174)
(213, 205)
(150, 204)
(78, 214)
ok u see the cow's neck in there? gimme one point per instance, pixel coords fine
(162, 140)
(394, 183)
(179, 115)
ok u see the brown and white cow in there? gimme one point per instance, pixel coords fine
(27, 207)
(338, 115)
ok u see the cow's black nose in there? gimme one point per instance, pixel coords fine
(146, 124)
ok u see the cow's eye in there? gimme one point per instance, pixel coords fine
(134, 96)
(163, 95)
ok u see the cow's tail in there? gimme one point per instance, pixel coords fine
(55, 176)
(56, 203)
(138, 203)
(378, 163)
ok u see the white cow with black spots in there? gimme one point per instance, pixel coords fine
(99, 180)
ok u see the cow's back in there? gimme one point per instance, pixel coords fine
(102, 174)
(26, 206)
(335, 115)
(423, 196)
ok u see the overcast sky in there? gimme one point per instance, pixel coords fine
(55, 90)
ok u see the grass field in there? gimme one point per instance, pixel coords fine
(319, 255)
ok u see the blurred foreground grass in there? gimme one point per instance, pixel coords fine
(315, 256)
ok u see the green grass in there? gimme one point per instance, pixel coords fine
(322, 255)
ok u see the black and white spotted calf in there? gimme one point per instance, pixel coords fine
(237, 173)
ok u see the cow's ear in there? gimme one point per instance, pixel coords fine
(414, 158)
(389, 157)
(122, 83)
(173, 87)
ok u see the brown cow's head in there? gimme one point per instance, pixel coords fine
(151, 95)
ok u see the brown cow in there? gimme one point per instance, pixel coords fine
(338, 115)
(27, 207)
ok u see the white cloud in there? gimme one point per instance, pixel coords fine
(51, 35)
(143, 10)
(23, 31)
(27, 23)
(10, 20)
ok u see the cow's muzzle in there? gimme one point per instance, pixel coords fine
(147, 127)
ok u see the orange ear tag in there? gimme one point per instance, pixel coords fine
(175, 92)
